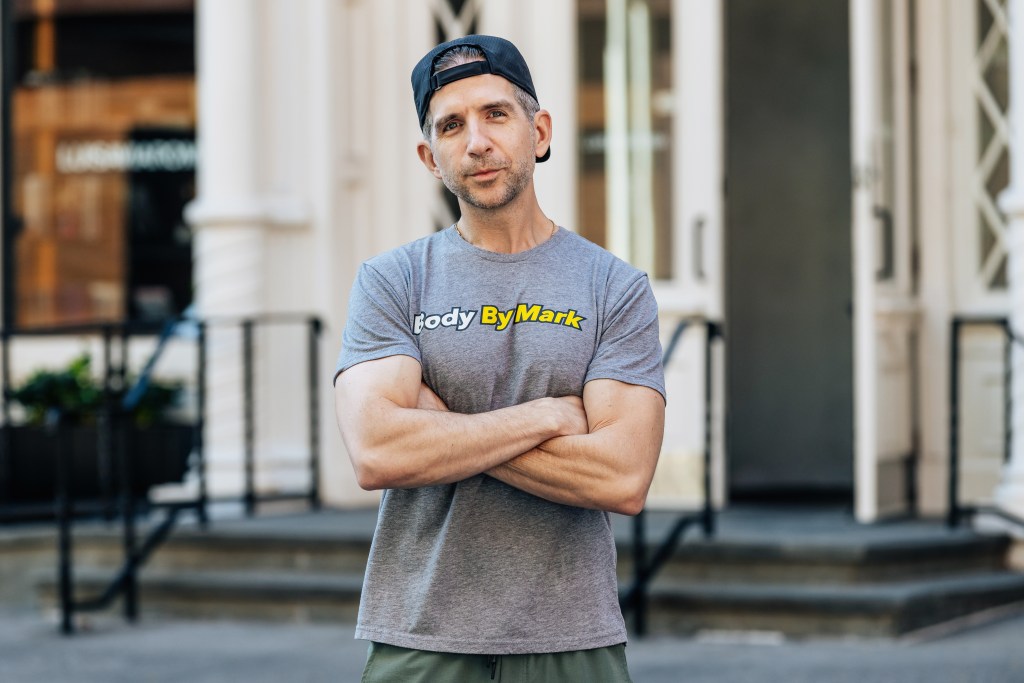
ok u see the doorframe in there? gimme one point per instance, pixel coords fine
(886, 309)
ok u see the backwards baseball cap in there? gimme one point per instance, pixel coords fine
(500, 57)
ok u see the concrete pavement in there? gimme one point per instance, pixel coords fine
(172, 651)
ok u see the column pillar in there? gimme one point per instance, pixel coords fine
(864, 24)
(1010, 494)
(227, 218)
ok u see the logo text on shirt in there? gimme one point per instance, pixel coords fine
(529, 313)
(494, 316)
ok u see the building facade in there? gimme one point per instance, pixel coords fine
(823, 178)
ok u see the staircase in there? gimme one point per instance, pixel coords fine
(799, 576)
(301, 568)
(873, 589)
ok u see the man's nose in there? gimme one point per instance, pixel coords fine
(479, 140)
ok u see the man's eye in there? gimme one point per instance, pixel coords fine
(496, 113)
(451, 125)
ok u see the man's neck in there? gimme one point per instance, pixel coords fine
(509, 230)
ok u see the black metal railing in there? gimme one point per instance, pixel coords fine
(251, 498)
(957, 511)
(635, 598)
(120, 491)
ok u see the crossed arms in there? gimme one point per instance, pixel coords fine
(596, 452)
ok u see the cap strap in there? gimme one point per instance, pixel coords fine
(443, 78)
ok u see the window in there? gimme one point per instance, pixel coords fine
(625, 127)
(102, 137)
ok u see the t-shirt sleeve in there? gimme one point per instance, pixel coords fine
(629, 349)
(378, 324)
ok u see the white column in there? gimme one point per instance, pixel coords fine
(1010, 494)
(545, 32)
(227, 217)
(863, 56)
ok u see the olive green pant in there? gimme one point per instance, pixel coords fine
(390, 664)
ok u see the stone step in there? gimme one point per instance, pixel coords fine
(694, 560)
(863, 581)
(255, 594)
(198, 550)
(828, 610)
(676, 607)
(800, 563)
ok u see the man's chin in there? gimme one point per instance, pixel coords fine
(481, 200)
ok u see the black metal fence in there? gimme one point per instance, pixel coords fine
(122, 494)
(645, 568)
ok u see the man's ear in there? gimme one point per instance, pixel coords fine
(427, 157)
(542, 129)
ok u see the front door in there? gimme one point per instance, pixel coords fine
(788, 252)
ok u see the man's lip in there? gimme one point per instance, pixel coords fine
(489, 171)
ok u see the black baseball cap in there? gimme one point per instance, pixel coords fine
(501, 58)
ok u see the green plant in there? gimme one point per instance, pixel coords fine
(79, 397)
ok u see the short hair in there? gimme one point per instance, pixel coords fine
(464, 54)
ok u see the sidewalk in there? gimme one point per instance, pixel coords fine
(166, 651)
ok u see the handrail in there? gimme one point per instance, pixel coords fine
(635, 597)
(114, 422)
(134, 395)
(91, 327)
(956, 511)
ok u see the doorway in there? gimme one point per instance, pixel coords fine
(789, 345)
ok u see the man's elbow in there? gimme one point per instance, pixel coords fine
(630, 505)
(630, 495)
(372, 469)
(368, 476)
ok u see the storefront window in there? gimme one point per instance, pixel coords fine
(625, 126)
(102, 137)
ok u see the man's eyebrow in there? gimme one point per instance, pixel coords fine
(497, 104)
(440, 123)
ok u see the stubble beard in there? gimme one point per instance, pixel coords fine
(518, 176)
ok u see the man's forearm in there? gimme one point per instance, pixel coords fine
(399, 434)
(412, 447)
(589, 471)
(611, 467)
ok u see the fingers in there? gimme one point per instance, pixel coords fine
(574, 415)
(428, 400)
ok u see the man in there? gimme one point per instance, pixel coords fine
(501, 381)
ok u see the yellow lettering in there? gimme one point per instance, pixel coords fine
(559, 317)
(527, 313)
(505, 317)
(489, 315)
(573, 319)
(547, 316)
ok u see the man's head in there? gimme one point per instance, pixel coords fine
(467, 57)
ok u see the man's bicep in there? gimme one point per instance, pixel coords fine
(631, 410)
(395, 379)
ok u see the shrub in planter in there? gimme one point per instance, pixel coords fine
(159, 447)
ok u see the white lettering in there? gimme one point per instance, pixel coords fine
(456, 318)
(104, 156)
(451, 318)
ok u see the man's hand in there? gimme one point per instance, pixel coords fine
(428, 400)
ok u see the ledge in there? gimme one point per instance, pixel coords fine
(279, 211)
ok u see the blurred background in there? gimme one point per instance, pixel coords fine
(820, 191)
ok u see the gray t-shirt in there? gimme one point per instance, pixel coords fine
(478, 566)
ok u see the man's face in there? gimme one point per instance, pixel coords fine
(483, 146)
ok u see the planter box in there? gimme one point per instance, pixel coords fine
(160, 454)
